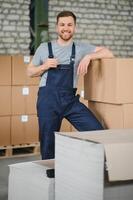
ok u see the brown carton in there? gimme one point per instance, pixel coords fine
(24, 129)
(31, 100)
(65, 126)
(5, 70)
(5, 100)
(24, 99)
(19, 74)
(113, 115)
(80, 88)
(18, 101)
(80, 85)
(5, 131)
(110, 81)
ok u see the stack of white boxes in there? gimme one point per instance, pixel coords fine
(80, 165)
(30, 180)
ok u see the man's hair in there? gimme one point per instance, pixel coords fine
(66, 13)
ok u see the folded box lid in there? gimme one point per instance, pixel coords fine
(118, 146)
(49, 164)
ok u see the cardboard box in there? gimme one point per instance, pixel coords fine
(24, 99)
(80, 86)
(29, 180)
(31, 100)
(80, 163)
(5, 70)
(110, 81)
(24, 129)
(80, 89)
(5, 100)
(5, 125)
(65, 126)
(113, 115)
(19, 73)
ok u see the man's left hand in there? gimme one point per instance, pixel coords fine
(83, 65)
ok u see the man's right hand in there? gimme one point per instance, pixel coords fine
(34, 71)
(50, 63)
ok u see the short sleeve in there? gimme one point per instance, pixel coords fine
(37, 56)
(88, 48)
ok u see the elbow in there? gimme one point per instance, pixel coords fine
(109, 53)
(106, 53)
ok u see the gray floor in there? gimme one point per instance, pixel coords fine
(4, 172)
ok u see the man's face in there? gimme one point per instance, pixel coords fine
(66, 28)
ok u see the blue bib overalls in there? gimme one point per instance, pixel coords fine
(58, 100)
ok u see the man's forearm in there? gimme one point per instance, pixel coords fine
(101, 53)
(33, 71)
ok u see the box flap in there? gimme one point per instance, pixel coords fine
(46, 163)
(118, 145)
(119, 161)
(35, 165)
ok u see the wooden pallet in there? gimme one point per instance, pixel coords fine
(19, 150)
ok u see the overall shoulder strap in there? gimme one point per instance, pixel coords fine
(72, 59)
(50, 50)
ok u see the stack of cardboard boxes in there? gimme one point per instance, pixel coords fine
(18, 121)
(24, 126)
(108, 87)
(5, 99)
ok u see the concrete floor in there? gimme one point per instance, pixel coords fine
(4, 172)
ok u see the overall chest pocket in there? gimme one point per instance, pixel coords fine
(62, 76)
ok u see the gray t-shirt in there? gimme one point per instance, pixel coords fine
(63, 54)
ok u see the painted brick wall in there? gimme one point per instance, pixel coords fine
(100, 22)
(14, 27)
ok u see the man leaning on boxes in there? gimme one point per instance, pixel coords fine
(59, 63)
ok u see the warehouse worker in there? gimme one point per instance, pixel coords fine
(59, 63)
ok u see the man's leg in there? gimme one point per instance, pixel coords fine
(82, 118)
(47, 127)
(49, 120)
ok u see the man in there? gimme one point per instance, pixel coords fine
(59, 63)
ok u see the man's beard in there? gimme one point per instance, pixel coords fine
(65, 37)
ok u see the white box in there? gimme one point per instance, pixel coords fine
(29, 180)
(80, 165)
